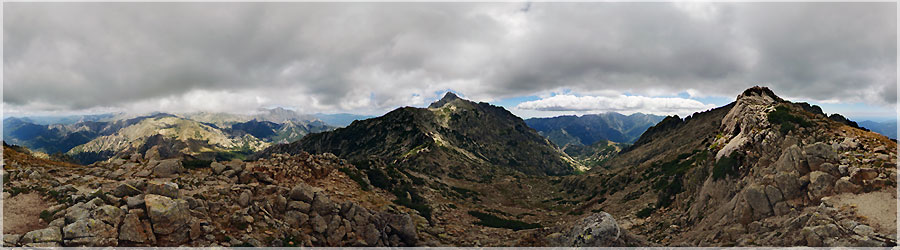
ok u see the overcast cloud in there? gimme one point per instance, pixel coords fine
(372, 57)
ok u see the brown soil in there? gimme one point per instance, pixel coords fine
(22, 213)
(879, 208)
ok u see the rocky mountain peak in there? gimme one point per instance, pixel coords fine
(449, 97)
(759, 93)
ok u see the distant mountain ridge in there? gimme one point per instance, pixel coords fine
(887, 128)
(592, 128)
(195, 133)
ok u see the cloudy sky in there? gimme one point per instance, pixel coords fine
(536, 59)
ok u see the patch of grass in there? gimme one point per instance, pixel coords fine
(414, 201)
(357, 177)
(782, 116)
(47, 216)
(726, 166)
(490, 220)
(195, 164)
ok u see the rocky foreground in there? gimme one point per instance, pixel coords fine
(161, 203)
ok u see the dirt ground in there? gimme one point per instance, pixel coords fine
(21, 213)
(880, 208)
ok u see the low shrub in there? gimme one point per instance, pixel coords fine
(490, 220)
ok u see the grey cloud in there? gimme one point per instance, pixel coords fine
(347, 56)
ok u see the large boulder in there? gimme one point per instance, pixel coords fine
(819, 153)
(168, 168)
(791, 161)
(90, 233)
(403, 226)
(167, 215)
(820, 185)
(789, 184)
(756, 197)
(596, 230)
(50, 234)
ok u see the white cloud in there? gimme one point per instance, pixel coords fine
(621, 103)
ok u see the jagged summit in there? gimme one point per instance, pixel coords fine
(760, 92)
(449, 97)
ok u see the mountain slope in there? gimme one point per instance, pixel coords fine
(589, 129)
(759, 171)
(451, 136)
(170, 134)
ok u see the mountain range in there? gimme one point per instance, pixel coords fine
(589, 129)
(205, 135)
(759, 171)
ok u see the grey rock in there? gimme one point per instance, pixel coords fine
(11, 239)
(864, 230)
(323, 205)
(820, 185)
(244, 199)
(596, 230)
(791, 161)
(299, 206)
(280, 203)
(830, 169)
(318, 224)
(295, 218)
(133, 230)
(217, 168)
(166, 215)
(303, 192)
(773, 194)
(108, 214)
(135, 201)
(50, 234)
(168, 168)
(237, 165)
(90, 233)
(858, 175)
(789, 184)
(756, 198)
(79, 211)
(167, 189)
(843, 185)
(818, 154)
(125, 190)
